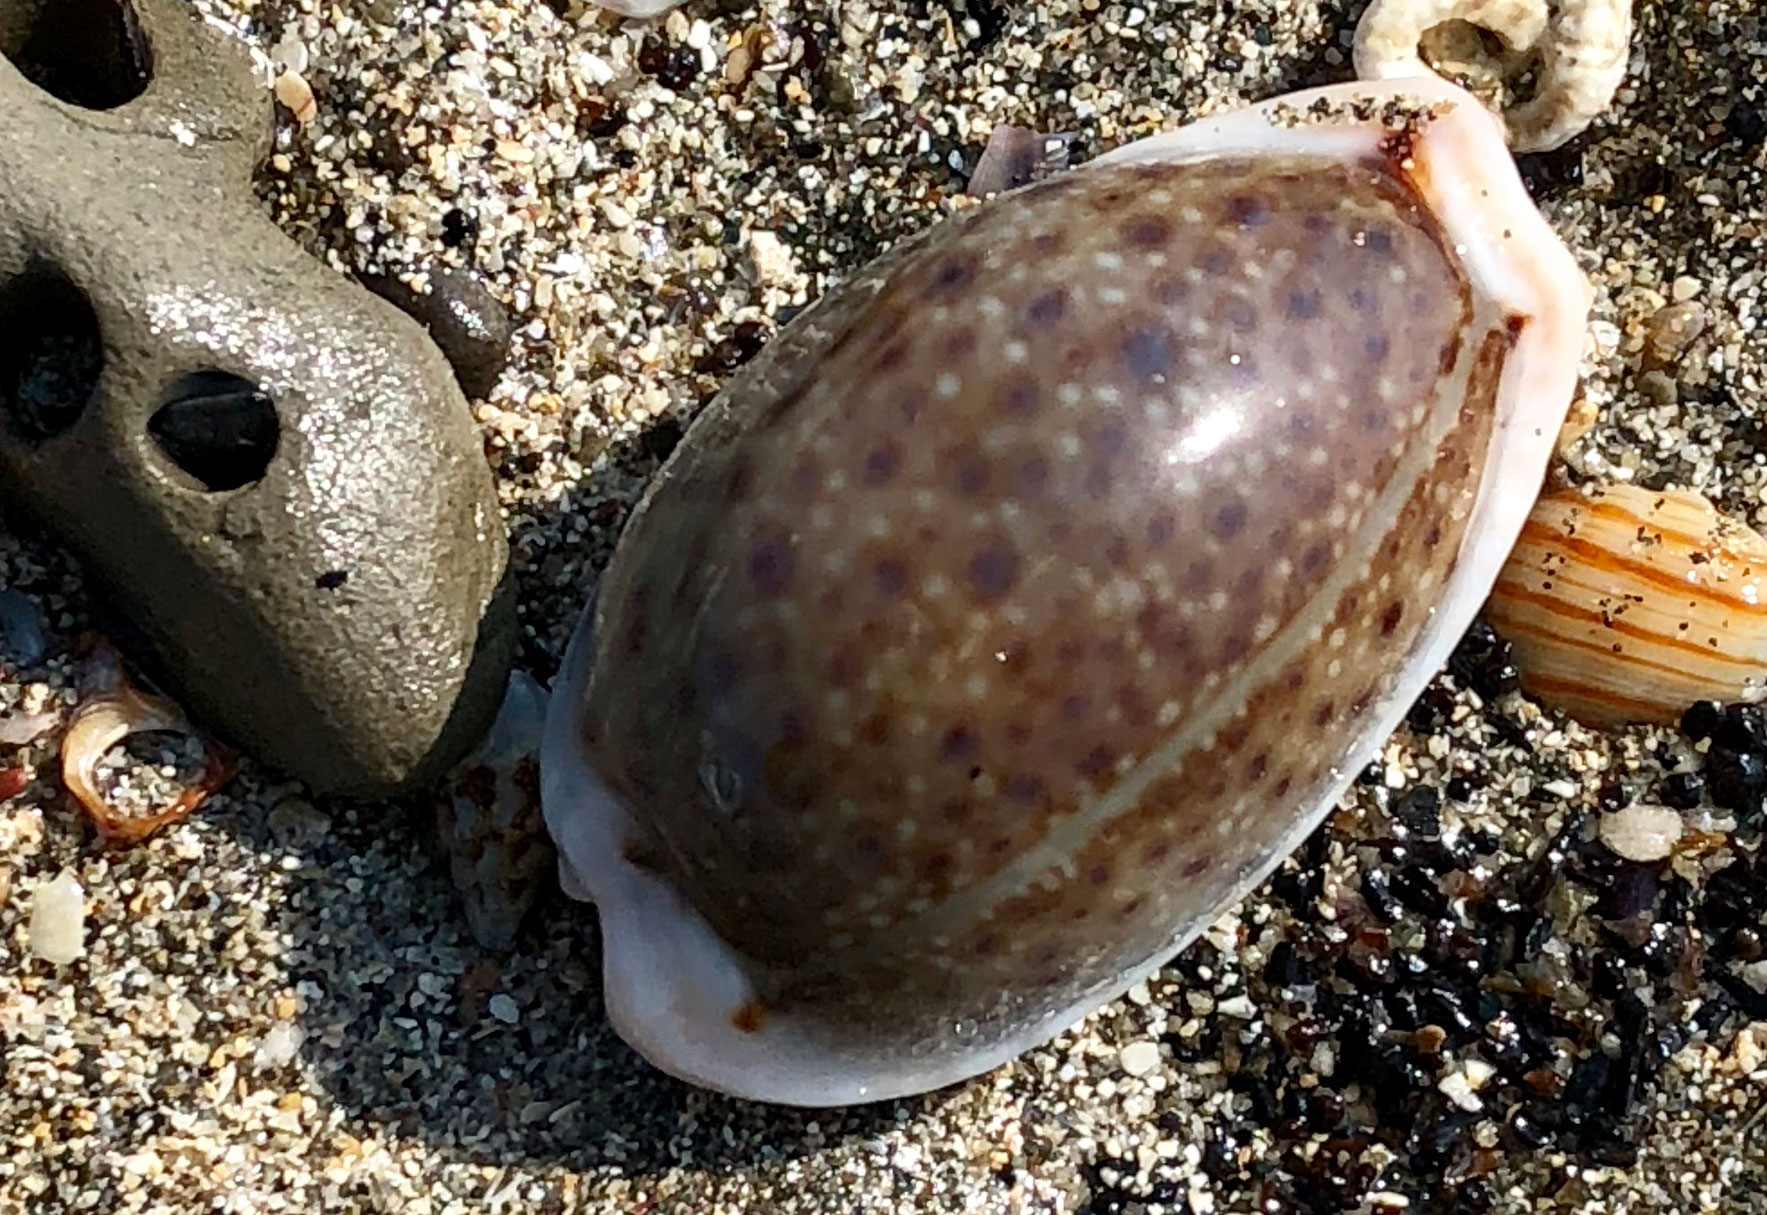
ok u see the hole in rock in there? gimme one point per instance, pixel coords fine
(50, 352)
(219, 428)
(89, 53)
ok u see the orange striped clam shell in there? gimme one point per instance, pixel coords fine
(1627, 604)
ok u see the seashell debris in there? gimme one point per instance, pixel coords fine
(1581, 53)
(1626, 605)
(112, 710)
(57, 931)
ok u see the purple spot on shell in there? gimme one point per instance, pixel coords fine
(1116, 551)
(1148, 231)
(1047, 308)
(1096, 762)
(969, 470)
(881, 463)
(1198, 867)
(1378, 240)
(993, 571)
(1160, 529)
(1229, 520)
(1217, 261)
(890, 577)
(722, 671)
(1033, 473)
(844, 668)
(1017, 398)
(770, 566)
(953, 275)
(1110, 439)
(1375, 347)
(793, 728)
(1248, 210)
(958, 745)
(1023, 788)
(1148, 353)
(1303, 305)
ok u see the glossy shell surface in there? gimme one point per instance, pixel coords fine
(1030, 598)
(1627, 604)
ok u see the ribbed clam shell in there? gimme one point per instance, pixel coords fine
(1628, 604)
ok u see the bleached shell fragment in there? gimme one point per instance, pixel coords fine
(1629, 604)
(1641, 832)
(1582, 55)
(296, 96)
(57, 931)
(639, 8)
(488, 819)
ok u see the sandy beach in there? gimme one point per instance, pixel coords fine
(279, 1007)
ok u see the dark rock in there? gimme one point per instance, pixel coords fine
(1484, 662)
(1741, 728)
(270, 476)
(1700, 719)
(1737, 779)
(1420, 810)
(459, 228)
(1683, 790)
(469, 324)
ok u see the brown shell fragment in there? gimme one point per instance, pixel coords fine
(1628, 604)
(113, 710)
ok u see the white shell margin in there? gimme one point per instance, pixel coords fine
(674, 989)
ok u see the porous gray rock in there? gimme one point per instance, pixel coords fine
(269, 475)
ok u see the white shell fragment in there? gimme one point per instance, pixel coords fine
(1641, 832)
(488, 818)
(1582, 54)
(57, 931)
(1034, 594)
(1627, 604)
(639, 8)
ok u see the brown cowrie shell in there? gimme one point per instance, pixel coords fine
(1026, 601)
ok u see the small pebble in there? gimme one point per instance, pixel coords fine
(21, 629)
(470, 325)
(504, 1009)
(279, 1045)
(58, 920)
(1641, 833)
(1139, 1058)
